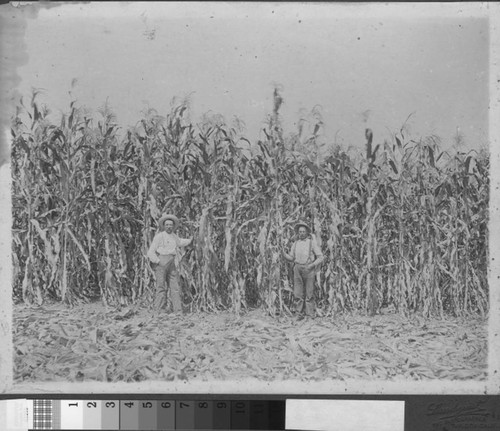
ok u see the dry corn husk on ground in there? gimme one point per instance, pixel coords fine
(92, 344)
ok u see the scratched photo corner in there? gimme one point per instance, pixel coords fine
(303, 207)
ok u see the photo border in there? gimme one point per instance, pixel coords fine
(9, 40)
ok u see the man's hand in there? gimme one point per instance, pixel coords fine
(286, 256)
(310, 267)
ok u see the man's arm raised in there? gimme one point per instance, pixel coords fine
(183, 242)
(287, 256)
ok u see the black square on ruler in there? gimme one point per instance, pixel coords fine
(42, 414)
(277, 410)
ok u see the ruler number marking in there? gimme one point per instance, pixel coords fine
(259, 409)
(240, 407)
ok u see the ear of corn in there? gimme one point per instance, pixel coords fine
(403, 224)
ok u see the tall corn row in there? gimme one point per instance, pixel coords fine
(405, 226)
(369, 229)
(48, 188)
(234, 264)
(333, 208)
(271, 239)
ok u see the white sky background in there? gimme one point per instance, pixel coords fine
(393, 60)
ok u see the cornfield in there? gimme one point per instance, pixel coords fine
(403, 225)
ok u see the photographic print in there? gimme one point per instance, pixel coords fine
(235, 197)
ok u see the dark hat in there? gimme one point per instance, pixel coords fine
(166, 217)
(302, 223)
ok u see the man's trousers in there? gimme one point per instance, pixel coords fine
(303, 286)
(167, 277)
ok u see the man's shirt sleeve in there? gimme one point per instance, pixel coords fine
(181, 242)
(152, 249)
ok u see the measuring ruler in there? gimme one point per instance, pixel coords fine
(198, 414)
(166, 412)
(133, 414)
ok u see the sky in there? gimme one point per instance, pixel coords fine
(361, 65)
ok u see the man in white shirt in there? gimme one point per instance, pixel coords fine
(164, 252)
(306, 256)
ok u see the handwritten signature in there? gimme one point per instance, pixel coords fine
(457, 409)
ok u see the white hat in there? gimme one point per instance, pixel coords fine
(166, 217)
